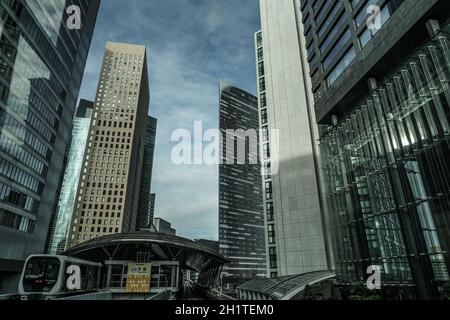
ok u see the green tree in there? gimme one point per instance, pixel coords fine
(313, 292)
(361, 292)
(446, 291)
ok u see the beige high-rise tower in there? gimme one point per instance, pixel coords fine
(108, 190)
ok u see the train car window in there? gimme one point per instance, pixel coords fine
(41, 274)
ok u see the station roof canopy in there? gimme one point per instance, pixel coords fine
(147, 247)
(285, 288)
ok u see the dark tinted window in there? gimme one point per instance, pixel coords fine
(41, 274)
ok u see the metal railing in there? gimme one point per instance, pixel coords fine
(13, 296)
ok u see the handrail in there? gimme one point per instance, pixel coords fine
(13, 296)
(221, 296)
(163, 295)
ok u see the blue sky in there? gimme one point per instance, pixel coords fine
(191, 45)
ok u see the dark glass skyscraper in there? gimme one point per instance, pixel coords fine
(146, 199)
(241, 219)
(381, 90)
(41, 66)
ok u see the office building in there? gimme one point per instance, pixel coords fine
(214, 245)
(152, 204)
(146, 205)
(41, 67)
(163, 226)
(380, 80)
(62, 219)
(108, 192)
(293, 204)
(241, 221)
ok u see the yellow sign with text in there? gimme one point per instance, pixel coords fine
(138, 278)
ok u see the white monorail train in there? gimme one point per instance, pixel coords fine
(48, 276)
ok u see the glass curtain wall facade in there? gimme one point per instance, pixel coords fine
(152, 204)
(146, 199)
(41, 67)
(241, 220)
(60, 229)
(335, 32)
(382, 92)
(388, 177)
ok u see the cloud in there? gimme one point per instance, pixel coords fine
(191, 45)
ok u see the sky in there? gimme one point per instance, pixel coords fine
(191, 46)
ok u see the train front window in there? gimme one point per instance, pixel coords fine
(41, 274)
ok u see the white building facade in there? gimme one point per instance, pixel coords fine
(293, 207)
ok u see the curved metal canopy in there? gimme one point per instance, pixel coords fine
(284, 288)
(152, 245)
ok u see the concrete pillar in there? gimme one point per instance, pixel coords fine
(433, 27)
(108, 276)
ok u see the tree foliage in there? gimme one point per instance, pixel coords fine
(313, 292)
(446, 291)
(361, 292)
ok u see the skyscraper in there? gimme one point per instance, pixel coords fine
(241, 221)
(59, 232)
(146, 204)
(107, 197)
(380, 72)
(163, 226)
(41, 66)
(152, 204)
(294, 215)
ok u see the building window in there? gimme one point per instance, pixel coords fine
(324, 27)
(340, 44)
(308, 35)
(315, 5)
(271, 234)
(265, 134)
(263, 100)
(273, 258)
(355, 3)
(259, 39)
(264, 116)
(260, 54)
(346, 60)
(268, 190)
(333, 33)
(267, 172)
(262, 84)
(368, 34)
(320, 14)
(311, 52)
(362, 14)
(269, 211)
(266, 151)
(18, 198)
(261, 69)
(17, 222)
